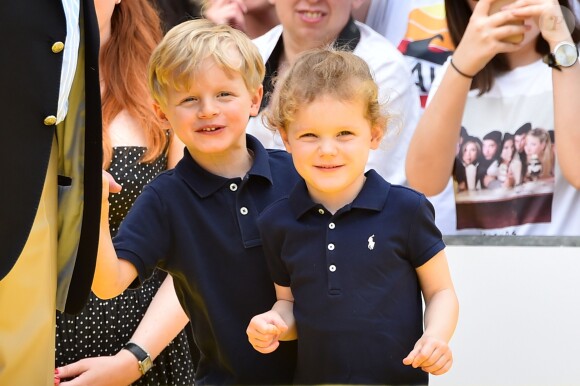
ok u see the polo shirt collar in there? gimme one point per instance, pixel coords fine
(205, 183)
(347, 40)
(372, 196)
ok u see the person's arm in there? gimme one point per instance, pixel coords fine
(266, 330)
(430, 157)
(162, 322)
(164, 319)
(431, 352)
(566, 85)
(112, 275)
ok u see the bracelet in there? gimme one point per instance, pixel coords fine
(459, 71)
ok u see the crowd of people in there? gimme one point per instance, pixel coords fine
(214, 178)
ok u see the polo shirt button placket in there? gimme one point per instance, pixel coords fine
(233, 187)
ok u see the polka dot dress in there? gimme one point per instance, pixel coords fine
(104, 326)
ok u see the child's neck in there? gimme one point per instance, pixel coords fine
(334, 201)
(230, 165)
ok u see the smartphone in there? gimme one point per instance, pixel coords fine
(496, 7)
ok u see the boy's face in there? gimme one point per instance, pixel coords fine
(211, 117)
(330, 142)
(314, 23)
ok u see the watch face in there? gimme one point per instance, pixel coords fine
(145, 364)
(565, 54)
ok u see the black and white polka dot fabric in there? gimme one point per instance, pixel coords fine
(105, 326)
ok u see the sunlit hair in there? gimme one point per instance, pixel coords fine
(176, 61)
(546, 157)
(135, 31)
(458, 13)
(324, 72)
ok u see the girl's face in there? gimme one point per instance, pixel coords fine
(330, 141)
(508, 150)
(469, 153)
(534, 146)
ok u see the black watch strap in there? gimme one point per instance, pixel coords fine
(143, 357)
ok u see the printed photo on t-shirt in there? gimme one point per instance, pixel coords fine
(504, 178)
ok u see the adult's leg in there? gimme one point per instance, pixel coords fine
(28, 297)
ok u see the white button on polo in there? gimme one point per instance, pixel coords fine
(233, 187)
(244, 210)
(332, 268)
(331, 225)
(321, 211)
(331, 247)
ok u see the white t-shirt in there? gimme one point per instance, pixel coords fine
(391, 74)
(539, 201)
(418, 28)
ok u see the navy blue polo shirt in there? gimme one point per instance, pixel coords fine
(357, 305)
(202, 229)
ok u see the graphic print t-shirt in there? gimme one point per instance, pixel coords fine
(506, 178)
(426, 44)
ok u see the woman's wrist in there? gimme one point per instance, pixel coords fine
(460, 71)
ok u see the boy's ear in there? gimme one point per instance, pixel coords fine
(377, 135)
(159, 112)
(256, 101)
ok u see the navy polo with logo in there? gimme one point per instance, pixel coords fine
(202, 229)
(357, 299)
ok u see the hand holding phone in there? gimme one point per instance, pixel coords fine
(496, 7)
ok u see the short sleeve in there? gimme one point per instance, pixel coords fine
(425, 239)
(144, 235)
(272, 242)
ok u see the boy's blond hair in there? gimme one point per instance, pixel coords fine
(176, 61)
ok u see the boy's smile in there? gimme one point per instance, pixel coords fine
(211, 116)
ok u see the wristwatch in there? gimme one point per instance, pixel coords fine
(143, 357)
(565, 55)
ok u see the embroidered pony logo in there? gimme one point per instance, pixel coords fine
(371, 242)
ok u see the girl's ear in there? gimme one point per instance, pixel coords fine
(284, 135)
(377, 135)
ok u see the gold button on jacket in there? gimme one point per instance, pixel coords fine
(57, 47)
(50, 120)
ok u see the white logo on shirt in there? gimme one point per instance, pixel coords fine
(371, 242)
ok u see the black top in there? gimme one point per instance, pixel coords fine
(202, 229)
(357, 299)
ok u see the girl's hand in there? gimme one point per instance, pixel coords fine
(431, 354)
(229, 12)
(264, 331)
(484, 35)
(552, 19)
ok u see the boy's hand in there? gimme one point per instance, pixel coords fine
(109, 185)
(432, 355)
(264, 331)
